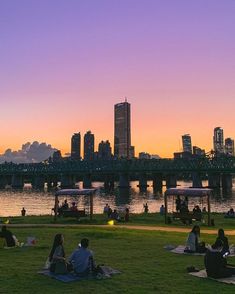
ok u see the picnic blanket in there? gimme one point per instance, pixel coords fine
(180, 250)
(203, 274)
(108, 272)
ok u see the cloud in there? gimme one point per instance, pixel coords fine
(29, 153)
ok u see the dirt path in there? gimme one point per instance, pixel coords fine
(130, 227)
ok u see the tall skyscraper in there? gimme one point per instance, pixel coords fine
(76, 146)
(104, 150)
(218, 140)
(187, 143)
(229, 146)
(122, 130)
(89, 146)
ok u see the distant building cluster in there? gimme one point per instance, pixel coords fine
(220, 146)
(124, 149)
(122, 140)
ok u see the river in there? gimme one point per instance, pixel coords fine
(41, 202)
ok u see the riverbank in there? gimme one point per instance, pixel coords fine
(150, 219)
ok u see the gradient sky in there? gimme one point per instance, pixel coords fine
(65, 63)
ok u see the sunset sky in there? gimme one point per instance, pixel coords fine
(65, 63)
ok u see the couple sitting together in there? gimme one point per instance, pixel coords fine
(215, 256)
(193, 245)
(80, 262)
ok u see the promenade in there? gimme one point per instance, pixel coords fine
(129, 227)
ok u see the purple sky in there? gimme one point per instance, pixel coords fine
(64, 63)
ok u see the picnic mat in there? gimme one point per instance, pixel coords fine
(108, 272)
(203, 274)
(180, 250)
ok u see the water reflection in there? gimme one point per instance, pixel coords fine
(41, 201)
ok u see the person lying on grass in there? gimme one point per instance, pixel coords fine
(82, 259)
(216, 263)
(192, 244)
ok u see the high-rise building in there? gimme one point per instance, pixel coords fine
(122, 130)
(89, 146)
(218, 140)
(76, 146)
(104, 150)
(187, 143)
(229, 146)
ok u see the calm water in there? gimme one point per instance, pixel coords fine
(40, 203)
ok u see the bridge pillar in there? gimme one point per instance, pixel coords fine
(108, 183)
(3, 182)
(157, 182)
(171, 181)
(197, 182)
(17, 181)
(38, 182)
(214, 180)
(87, 182)
(143, 182)
(124, 181)
(55, 183)
(67, 181)
(227, 181)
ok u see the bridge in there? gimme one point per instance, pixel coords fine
(218, 170)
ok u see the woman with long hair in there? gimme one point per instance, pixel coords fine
(57, 254)
(192, 244)
(221, 236)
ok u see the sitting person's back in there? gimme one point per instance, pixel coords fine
(224, 239)
(82, 259)
(10, 241)
(215, 263)
(115, 215)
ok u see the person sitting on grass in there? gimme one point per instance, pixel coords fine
(216, 264)
(221, 236)
(115, 216)
(82, 259)
(57, 255)
(192, 244)
(230, 213)
(8, 236)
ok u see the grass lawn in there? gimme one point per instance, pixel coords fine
(151, 219)
(146, 267)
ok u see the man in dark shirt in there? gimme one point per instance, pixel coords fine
(216, 264)
(8, 236)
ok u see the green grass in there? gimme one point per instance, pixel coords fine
(152, 219)
(146, 267)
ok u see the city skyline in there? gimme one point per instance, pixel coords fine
(64, 64)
